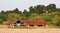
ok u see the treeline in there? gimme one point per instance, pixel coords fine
(40, 12)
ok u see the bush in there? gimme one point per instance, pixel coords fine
(1, 21)
(58, 23)
(3, 17)
(48, 19)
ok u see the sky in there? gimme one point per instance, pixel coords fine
(25, 4)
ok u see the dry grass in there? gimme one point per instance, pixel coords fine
(40, 30)
(28, 30)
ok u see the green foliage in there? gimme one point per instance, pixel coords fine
(14, 16)
(40, 12)
(34, 16)
(49, 19)
(1, 21)
(51, 8)
(58, 23)
(3, 17)
(31, 9)
(16, 10)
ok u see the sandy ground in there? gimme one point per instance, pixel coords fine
(40, 30)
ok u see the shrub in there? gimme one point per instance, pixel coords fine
(58, 23)
(1, 21)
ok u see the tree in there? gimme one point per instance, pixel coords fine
(25, 11)
(2, 11)
(25, 14)
(16, 10)
(20, 12)
(40, 8)
(51, 8)
(58, 10)
(31, 9)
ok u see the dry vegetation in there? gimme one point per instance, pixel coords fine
(35, 30)
(40, 30)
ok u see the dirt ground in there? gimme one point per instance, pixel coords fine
(40, 30)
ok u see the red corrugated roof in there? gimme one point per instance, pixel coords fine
(35, 22)
(29, 22)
